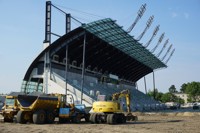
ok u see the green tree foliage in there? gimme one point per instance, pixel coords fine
(181, 101)
(150, 93)
(193, 90)
(166, 97)
(183, 88)
(172, 89)
(158, 95)
(170, 97)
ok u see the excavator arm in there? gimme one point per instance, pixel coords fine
(126, 94)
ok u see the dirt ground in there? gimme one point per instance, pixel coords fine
(147, 123)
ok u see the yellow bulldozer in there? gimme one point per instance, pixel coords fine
(111, 112)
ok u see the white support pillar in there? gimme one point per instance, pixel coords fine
(46, 69)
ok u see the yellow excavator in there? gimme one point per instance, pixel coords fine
(111, 112)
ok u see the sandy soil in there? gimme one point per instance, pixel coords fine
(147, 123)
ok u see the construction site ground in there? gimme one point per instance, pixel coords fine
(185, 122)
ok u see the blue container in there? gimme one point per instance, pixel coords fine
(64, 111)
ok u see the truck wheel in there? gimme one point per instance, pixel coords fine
(90, 119)
(93, 118)
(39, 117)
(50, 117)
(20, 117)
(111, 119)
(108, 118)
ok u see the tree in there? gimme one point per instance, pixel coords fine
(158, 95)
(183, 88)
(172, 89)
(170, 97)
(193, 89)
(150, 93)
(166, 97)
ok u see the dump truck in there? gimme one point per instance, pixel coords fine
(111, 112)
(43, 108)
(10, 108)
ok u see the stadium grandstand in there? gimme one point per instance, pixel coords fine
(94, 59)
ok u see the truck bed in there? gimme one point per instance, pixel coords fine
(32, 102)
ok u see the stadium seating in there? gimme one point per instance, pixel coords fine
(92, 87)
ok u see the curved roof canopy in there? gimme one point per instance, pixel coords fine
(108, 48)
(115, 36)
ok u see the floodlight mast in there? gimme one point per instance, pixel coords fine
(148, 24)
(140, 14)
(159, 41)
(170, 56)
(167, 52)
(165, 44)
(48, 23)
(153, 35)
(46, 43)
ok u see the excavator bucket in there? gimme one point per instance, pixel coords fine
(131, 117)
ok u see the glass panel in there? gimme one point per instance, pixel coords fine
(29, 87)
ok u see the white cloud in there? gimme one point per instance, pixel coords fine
(186, 15)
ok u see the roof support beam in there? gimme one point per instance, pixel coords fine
(83, 68)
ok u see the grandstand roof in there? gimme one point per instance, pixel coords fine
(114, 35)
(108, 48)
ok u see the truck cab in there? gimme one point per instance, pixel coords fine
(10, 108)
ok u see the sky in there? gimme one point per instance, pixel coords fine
(22, 26)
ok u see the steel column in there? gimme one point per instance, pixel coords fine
(83, 68)
(68, 29)
(46, 71)
(68, 23)
(154, 86)
(145, 85)
(66, 70)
